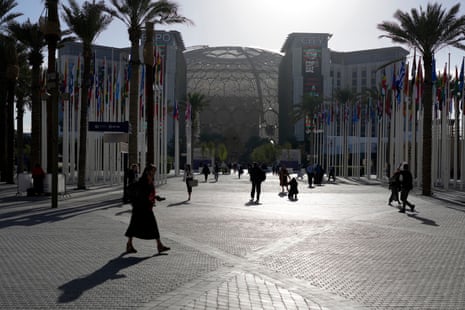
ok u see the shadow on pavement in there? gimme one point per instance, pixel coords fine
(175, 204)
(75, 288)
(35, 216)
(423, 220)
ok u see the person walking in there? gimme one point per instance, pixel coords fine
(406, 185)
(284, 178)
(257, 176)
(130, 177)
(294, 189)
(310, 174)
(332, 174)
(205, 171)
(394, 186)
(38, 176)
(189, 179)
(240, 170)
(216, 171)
(143, 224)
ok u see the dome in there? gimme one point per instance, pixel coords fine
(241, 86)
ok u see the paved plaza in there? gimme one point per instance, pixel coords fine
(339, 246)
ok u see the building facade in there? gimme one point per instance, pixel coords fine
(108, 105)
(310, 68)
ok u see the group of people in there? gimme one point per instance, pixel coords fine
(142, 195)
(401, 182)
(316, 172)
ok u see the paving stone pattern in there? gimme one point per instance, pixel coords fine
(338, 247)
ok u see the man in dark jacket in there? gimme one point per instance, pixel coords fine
(406, 184)
(257, 176)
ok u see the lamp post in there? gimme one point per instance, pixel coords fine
(149, 114)
(52, 35)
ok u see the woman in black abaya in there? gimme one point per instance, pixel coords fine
(143, 224)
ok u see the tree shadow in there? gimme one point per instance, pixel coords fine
(35, 216)
(73, 289)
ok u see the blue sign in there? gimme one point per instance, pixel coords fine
(109, 126)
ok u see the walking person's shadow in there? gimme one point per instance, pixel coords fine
(423, 219)
(75, 288)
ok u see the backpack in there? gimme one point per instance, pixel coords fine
(262, 175)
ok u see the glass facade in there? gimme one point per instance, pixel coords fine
(241, 87)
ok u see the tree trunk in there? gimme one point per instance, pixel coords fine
(149, 100)
(133, 102)
(19, 134)
(427, 99)
(36, 118)
(82, 164)
(3, 138)
(12, 76)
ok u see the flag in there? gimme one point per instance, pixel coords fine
(65, 77)
(419, 85)
(118, 86)
(461, 78)
(158, 70)
(71, 79)
(175, 111)
(406, 83)
(78, 72)
(384, 84)
(400, 81)
(434, 78)
(141, 92)
(442, 88)
(414, 72)
(188, 115)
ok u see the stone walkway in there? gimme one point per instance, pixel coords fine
(338, 247)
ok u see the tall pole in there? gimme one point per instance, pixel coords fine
(149, 104)
(52, 35)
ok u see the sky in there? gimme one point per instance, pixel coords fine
(266, 24)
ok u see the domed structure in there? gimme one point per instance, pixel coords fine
(241, 86)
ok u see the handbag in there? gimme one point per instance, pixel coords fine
(193, 182)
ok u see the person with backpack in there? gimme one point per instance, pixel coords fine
(257, 176)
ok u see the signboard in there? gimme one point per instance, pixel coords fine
(311, 71)
(109, 126)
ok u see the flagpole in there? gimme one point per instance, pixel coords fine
(189, 135)
(176, 146)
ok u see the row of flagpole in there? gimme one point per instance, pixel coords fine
(393, 122)
(345, 133)
(109, 102)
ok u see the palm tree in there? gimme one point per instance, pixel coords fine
(86, 22)
(23, 96)
(134, 14)
(6, 16)
(428, 31)
(308, 107)
(32, 38)
(198, 102)
(8, 68)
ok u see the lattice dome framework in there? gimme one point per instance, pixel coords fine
(241, 86)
